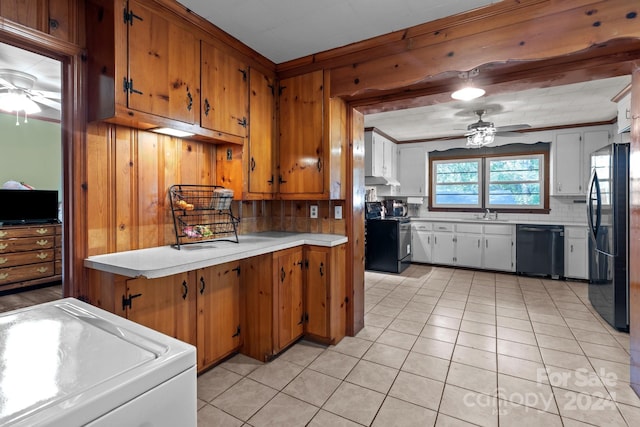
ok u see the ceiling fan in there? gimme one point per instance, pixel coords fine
(480, 125)
(482, 133)
(14, 84)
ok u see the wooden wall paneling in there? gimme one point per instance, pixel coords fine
(30, 13)
(170, 160)
(229, 168)
(355, 224)
(98, 188)
(147, 160)
(123, 190)
(634, 230)
(63, 19)
(257, 300)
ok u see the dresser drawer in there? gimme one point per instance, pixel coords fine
(23, 258)
(26, 244)
(26, 272)
(35, 231)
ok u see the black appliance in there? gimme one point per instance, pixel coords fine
(540, 250)
(28, 206)
(387, 241)
(608, 220)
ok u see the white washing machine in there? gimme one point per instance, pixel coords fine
(67, 363)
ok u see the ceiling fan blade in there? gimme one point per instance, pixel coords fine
(48, 102)
(512, 128)
(6, 84)
(46, 94)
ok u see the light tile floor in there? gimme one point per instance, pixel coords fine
(441, 346)
(444, 347)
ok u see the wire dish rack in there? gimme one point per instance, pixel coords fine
(202, 213)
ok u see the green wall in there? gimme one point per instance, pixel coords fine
(31, 153)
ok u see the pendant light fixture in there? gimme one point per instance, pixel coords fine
(468, 92)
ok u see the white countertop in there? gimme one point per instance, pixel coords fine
(498, 221)
(165, 260)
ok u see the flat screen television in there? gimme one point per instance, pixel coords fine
(28, 207)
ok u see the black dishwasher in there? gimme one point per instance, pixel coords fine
(540, 250)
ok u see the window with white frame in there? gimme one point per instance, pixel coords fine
(509, 182)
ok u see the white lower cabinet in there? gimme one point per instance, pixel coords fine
(499, 247)
(468, 245)
(464, 244)
(576, 255)
(444, 244)
(421, 242)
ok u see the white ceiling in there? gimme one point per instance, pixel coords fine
(46, 70)
(283, 30)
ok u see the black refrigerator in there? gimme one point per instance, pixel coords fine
(608, 220)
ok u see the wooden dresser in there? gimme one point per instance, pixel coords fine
(30, 255)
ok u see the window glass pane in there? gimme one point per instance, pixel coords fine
(457, 183)
(515, 181)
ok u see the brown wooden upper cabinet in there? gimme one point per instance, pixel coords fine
(225, 83)
(262, 182)
(312, 139)
(145, 71)
(54, 17)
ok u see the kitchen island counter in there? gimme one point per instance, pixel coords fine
(166, 260)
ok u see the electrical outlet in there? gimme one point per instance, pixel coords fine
(337, 212)
(314, 211)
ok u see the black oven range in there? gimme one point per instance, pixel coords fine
(387, 240)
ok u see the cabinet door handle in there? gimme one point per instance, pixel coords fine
(41, 255)
(478, 243)
(3, 246)
(3, 233)
(41, 242)
(3, 260)
(202, 285)
(486, 244)
(319, 164)
(41, 231)
(253, 164)
(282, 274)
(237, 332)
(42, 269)
(321, 269)
(571, 248)
(207, 106)
(185, 289)
(428, 240)
(435, 240)
(4, 276)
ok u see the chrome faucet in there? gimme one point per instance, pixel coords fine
(487, 214)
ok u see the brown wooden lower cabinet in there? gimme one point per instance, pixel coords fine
(166, 304)
(308, 298)
(258, 306)
(218, 301)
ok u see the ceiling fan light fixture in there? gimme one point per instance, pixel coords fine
(468, 93)
(481, 137)
(16, 102)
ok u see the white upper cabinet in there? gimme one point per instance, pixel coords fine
(380, 158)
(412, 171)
(571, 160)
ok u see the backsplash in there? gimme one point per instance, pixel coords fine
(563, 210)
(288, 215)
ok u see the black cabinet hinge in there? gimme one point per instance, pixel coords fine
(237, 332)
(273, 89)
(126, 301)
(271, 180)
(237, 270)
(280, 89)
(244, 74)
(128, 16)
(280, 180)
(127, 86)
(243, 122)
(306, 317)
